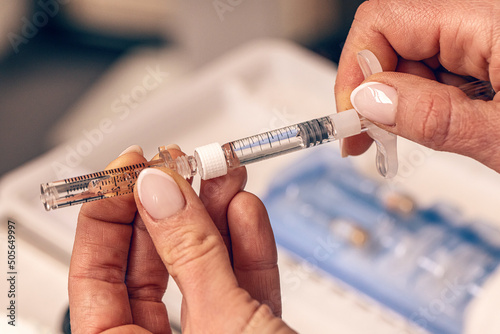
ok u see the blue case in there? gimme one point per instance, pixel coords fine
(427, 265)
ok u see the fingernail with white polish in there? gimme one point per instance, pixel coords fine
(159, 193)
(133, 148)
(377, 102)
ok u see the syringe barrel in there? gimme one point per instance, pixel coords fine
(291, 138)
(91, 187)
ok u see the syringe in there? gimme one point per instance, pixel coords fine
(214, 160)
(209, 161)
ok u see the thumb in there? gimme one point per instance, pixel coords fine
(194, 254)
(436, 115)
(184, 236)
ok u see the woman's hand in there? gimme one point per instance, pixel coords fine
(219, 248)
(424, 44)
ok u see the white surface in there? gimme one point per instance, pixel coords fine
(314, 303)
(260, 87)
(482, 316)
(122, 90)
(41, 281)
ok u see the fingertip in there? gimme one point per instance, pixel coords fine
(246, 203)
(241, 174)
(173, 147)
(217, 193)
(174, 150)
(356, 145)
(255, 255)
(134, 148)
(130, 156)
(251, 229)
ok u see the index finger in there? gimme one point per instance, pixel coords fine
(460, 33)
(366, 34)
(362, 36)
(97, 293)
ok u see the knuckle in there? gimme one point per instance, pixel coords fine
(434, 110)
(212, 188)
(258, 318)
(189, 247)
(150, 293)
(259, 264)
(366, 9)
(380, 15)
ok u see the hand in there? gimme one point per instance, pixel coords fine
(417, 40)
(219, 248)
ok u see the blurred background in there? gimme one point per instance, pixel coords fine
(81, 80)
(53, 52)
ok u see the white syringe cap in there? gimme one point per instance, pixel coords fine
(346, 123)
(211, 161)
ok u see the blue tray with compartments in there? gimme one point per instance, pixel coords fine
(425, 263)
